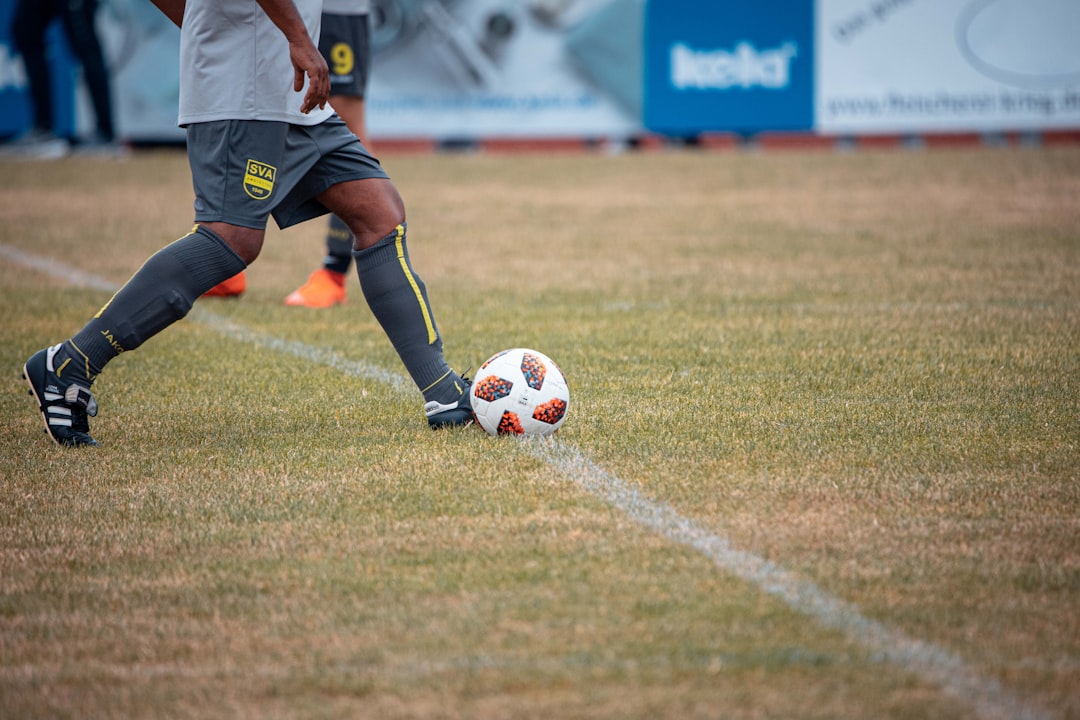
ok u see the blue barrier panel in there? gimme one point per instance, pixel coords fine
(720, 65)
(15, 110)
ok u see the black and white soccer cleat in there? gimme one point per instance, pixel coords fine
(64, 405)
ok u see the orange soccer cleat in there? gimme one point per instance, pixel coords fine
(324, 288)
(233, 287)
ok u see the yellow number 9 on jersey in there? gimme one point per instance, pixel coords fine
(341, 59)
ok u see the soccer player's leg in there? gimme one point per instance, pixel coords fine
(398, 298)
(231, 220)
(397, 295)
(344, 43)
(160, 293)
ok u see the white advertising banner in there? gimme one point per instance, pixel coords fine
(897, 66)
(467, 69)
(441, 69)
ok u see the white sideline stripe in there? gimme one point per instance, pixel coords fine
(316, 355)
(927, 660)
(57, 269)
(932, 663)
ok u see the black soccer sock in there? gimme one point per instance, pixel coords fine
(398, 299)
(339, 246)
(160, 293)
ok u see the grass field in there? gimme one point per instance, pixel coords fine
(822, 458)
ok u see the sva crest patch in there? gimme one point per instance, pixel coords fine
(259, 179)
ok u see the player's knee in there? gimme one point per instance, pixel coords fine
(371, 238)
(245, 242)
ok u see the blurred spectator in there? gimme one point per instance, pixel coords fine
(31, 20)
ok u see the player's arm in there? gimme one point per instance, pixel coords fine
(306, 58)
(173, 9)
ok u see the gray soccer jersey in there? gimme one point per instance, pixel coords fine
(214, 85)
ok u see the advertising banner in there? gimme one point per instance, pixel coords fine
(467, 69)
(442, 69)
(729, 66)
(910, 66)
(477, 69)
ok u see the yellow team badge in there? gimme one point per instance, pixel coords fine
(259, 179)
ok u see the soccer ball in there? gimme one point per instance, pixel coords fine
(520, 392)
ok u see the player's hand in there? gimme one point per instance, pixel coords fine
(308, 62)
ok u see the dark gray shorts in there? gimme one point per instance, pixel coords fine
(243, 171)
(344, 43)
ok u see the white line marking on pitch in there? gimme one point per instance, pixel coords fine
(927, 660)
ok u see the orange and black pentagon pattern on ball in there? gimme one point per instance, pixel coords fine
(492, 388)
(534, 371)
(510, 424)
(550, 412)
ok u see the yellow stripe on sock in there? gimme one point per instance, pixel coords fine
(399, 243)
(441, 378)
(85, 361)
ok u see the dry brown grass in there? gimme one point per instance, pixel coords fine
(860, 367)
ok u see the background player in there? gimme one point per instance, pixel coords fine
(346, 45)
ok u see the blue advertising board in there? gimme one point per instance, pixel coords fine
(720, 65)
(16, 111)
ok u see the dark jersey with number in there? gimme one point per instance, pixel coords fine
(345, 45)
